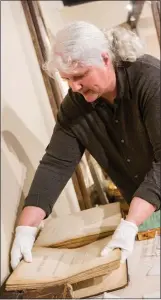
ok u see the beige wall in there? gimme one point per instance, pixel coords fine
(27, 124)
(147, 32)
(51, 13)
(101, 13)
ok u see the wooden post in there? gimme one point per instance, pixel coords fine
(41, 59)
(36, 24)
(84, 191)
(155, 5)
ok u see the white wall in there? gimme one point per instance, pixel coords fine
(51, 13)
(27, 124)
(101, 13)
(147, 32)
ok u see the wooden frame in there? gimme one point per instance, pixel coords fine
(155, 5)
(37, 30)
(39, 49)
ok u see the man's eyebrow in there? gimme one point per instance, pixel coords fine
(77, 75)
(74, 75)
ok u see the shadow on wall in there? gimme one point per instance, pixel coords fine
(16, 148)
(22, 144)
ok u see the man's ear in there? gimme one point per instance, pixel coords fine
(105, 58)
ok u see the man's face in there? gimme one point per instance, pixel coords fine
(91, 82)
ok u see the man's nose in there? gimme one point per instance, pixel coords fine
(75, 86)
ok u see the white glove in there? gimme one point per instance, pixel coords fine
(123, 238)
(22, 245)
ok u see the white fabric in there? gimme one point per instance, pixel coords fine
(22, 245)
(123, 238)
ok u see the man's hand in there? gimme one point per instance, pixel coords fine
(22, 245)
(123, 238)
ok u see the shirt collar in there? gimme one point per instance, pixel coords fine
(122, 80)
(121, 83)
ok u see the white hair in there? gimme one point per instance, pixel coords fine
(82, 43)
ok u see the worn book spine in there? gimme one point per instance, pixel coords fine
(56, 292)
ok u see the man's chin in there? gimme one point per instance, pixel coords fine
(91, 97)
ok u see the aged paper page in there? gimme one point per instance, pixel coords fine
(144, 270)
(56, 265)
(115, 280)
(92, 221)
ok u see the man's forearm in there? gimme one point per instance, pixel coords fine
(139, 211)
(31, 216)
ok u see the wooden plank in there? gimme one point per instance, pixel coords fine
(41, 59)
(97, 181)
(78, 192)
(41, 30)
(84, 191)
(155, 5)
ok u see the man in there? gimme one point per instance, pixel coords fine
(113, 110)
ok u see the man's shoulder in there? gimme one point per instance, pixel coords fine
(145, 68)
(144, 63)
(148, 61)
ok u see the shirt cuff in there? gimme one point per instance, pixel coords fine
(34, 200)
(148, 195)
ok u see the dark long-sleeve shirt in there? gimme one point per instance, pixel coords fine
(123, 137)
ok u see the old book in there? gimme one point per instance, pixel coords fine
(56, 292)
(80, 228)
(80, 268)
(58, 266)
(115, 280)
